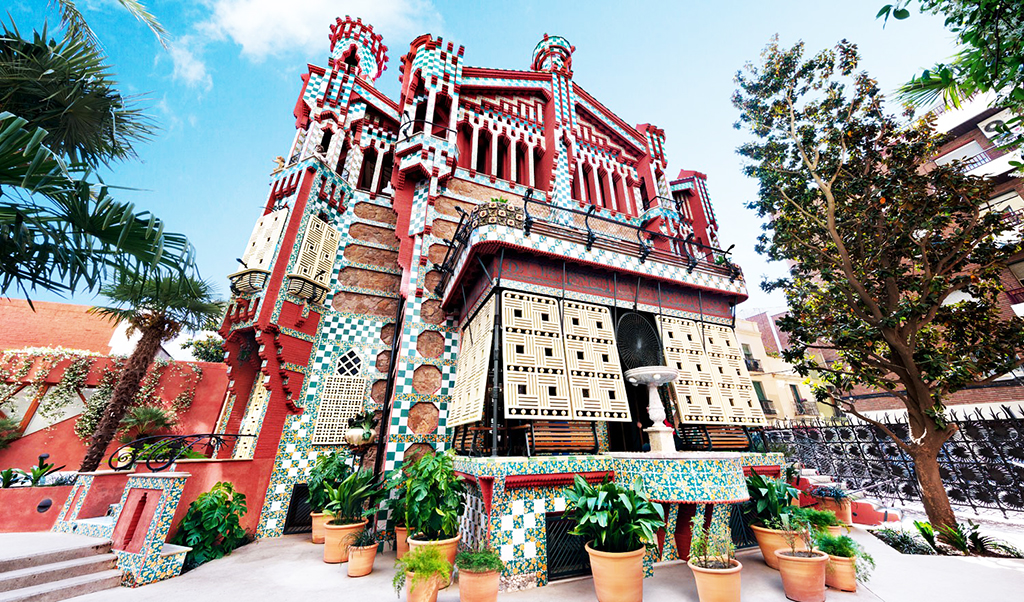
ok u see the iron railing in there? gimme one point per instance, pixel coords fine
(753, 364)
(408, 129)
(160, 452)
(768, 406)
(977, 160)
(982, 465)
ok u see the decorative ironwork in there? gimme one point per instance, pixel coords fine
(306, 288)
(753, 364)
(742, 534)
(160, 452)
(298, 519)
(982, 465)
(249, 281)
(567, 556)
(409, 128)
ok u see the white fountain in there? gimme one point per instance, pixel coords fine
(661, 436)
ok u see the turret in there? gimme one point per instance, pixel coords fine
(355, 44)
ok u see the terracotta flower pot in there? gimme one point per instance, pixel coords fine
(717, 585)
(319, 518)
(803, 578)
(360, 560)
(618, 577)
(424, 591)
(449, 547)
(337, 539)
(401, 542)
(770, 540)
(478, 586)
(841, 574)
(835, 531)
(843, 509)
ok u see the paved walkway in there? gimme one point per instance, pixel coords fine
(290, 568)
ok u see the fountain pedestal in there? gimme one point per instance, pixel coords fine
(662, 437)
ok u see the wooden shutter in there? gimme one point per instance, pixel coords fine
(259, 252)
(475, 343)
(596, 388)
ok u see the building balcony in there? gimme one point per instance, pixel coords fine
(306, 288)
(806, 408)
(768, 407)
(753, 364)
(249, 281)
(583, 236)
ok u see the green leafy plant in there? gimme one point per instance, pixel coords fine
(498, 199)
(10, 430)
(791, 472)
(363, 539)
(819, 520)
(927, 533)
(38, 473)
(212, 526)
(425, 563)
(902, 541)
(967, 540)
(348, 502)
(836, 494)
(845, 547)
(711, 548)
(396, 502)
(328, 469)
(9, 477)
(434, 497)
(162, 450)
(207, 349)
(611, 517)
(795, 530)
(769, 498)
(479, 560)
(145, 421)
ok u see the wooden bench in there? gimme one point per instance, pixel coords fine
(550, 437)
(475, 439)
(717, 437)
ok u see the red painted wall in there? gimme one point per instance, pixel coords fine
(18, 508)
(250, 477)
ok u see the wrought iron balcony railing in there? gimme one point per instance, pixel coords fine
(978, 160)
(590, 229)
(306, 288)
(768, 407)
(753, 364)
(251, 280)
(160, 452)
(806, 408)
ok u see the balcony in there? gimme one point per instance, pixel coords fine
(806, 408)
(596, 237)
(307, 289)
(753, 364)
(768, 407)
(249, 281)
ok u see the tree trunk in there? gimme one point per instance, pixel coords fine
(127, 387)
(933, 492)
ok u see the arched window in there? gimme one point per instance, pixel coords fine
(502, 159)
(386, 167)
(351, 57)
(442, 112)
(483, 152)
(538, 156)
(602, 177)
(325, 142)
(464, 142)
(339, 168)
(588, 186)
(522, 163)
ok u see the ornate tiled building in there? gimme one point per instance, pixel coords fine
(458, 260)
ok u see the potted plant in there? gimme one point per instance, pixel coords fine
(434, 503)
(769, 500)
(713, 562)
(422, 572)
(362, 551)
(396, 508)
(347, 504)
(821, 521)
(848, 563)
(802, 568)
(328, 468)
(361, 429)
(479, 573)
(835, 499)
(617, 522)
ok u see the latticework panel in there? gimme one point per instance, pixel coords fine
(467, 404)
(533, 355)
(595, 375)
(251, 420)
(697, 394)
(319, 250)
(259, 252)
(341, 398)
(730, 371)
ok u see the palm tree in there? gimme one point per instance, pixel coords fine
(159, 308)
(75, 23)
(60, 116)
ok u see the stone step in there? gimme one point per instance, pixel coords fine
(808, 472)
(37, 575)
(61, 554)
(55, 591)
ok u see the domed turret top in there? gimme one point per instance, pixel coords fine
(553, 53)
(354, 43)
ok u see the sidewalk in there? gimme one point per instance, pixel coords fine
(290, 568)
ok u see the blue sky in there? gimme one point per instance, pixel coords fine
(224, 92)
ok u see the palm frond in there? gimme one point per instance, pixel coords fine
(181, 303)
(74, 22)
(942, 82)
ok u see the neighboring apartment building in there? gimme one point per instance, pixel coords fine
(783, 394)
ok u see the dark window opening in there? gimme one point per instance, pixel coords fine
(483, 151)
(442, 113)
(369, 165)
(325, 142)
(387, 166)
(502, 158)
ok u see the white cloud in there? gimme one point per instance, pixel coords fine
(188, 66)
(265, 28)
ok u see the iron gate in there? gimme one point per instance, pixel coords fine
(567, 556)
(298, 519)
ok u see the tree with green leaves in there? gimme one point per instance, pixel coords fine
(894, 265)
(207, 349)
(159, 308)
(61, 116)
(991, 56)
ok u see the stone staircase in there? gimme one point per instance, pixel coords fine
(866, 510)
(59, 574)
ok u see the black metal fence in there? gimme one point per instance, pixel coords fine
(982, 464)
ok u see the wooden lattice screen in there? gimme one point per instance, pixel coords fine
(260, 250)
(595, 374)
(713, 386)
(341, 398)
(536, 384)
(467, 404)
(319, 251)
